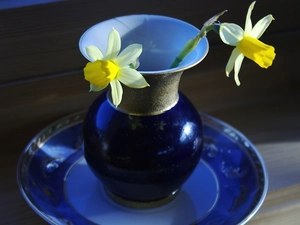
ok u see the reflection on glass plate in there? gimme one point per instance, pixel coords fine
(227, 187)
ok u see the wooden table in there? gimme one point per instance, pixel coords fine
(41, 81)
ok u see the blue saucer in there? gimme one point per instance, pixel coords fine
(58, 185)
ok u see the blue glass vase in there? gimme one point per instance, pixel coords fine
(146, 148)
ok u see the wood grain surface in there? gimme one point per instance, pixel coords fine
(41, 81)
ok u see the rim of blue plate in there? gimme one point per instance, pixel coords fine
(44, 135)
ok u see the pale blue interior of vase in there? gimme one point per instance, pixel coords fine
(162, 39)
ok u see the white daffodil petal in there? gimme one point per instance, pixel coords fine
(114, 45)
(237, 67)
(230, 64)
(116, 92)
(261, 26)
(231, 33)
(94, 53)
(132, 78)
(129, 55)
(248, 23)
(135, 64)
(96, 88)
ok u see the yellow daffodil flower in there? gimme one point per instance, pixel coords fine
(247, 43)
(114, 68)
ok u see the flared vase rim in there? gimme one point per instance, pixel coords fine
(179, 68)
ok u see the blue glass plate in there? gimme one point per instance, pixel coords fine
(227, 187)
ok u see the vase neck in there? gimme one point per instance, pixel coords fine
(161, 96)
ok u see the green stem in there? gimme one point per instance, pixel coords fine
(193, 42)
(189, 46)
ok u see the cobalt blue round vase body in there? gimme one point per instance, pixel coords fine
(147, 147)
(142, 158)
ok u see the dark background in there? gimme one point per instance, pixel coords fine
(41, 77)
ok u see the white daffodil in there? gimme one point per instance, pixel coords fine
(114, 68)
(247, 43)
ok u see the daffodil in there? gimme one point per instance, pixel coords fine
(247, 43)
(114, 68)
